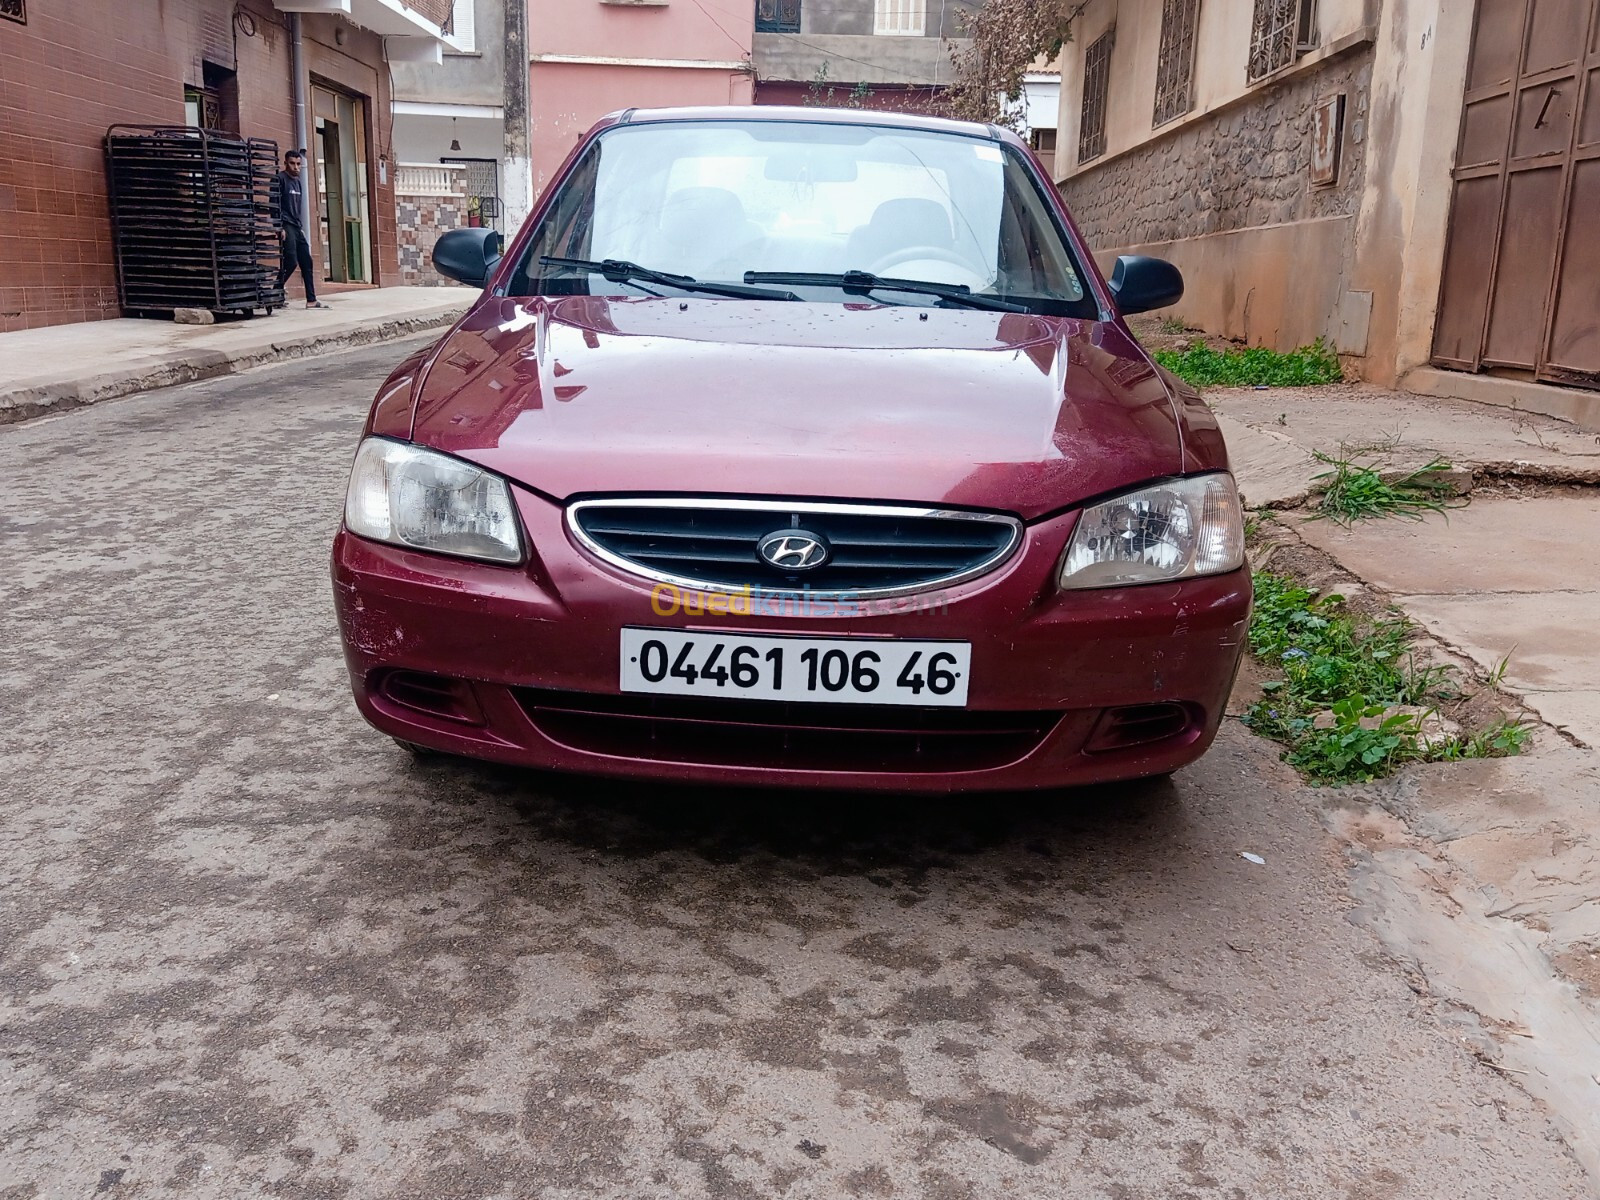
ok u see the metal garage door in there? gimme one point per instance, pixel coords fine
(1521, 285)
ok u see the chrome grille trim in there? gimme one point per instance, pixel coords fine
(578, 510)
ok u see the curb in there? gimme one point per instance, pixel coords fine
(26, 403)
(1463, 479)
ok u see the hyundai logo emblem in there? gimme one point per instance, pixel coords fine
(794, 550)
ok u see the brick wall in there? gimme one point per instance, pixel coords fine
(437, 11)
(79, 66)
(430, 200)
(1241, 168)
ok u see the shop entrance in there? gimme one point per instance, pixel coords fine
(341, 153)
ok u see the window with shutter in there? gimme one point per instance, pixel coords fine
(462, 34)
(900, 18)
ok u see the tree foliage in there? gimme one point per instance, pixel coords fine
(823, 94)
(1006, 37)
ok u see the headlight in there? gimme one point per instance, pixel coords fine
(420, 498)
(1168, 531)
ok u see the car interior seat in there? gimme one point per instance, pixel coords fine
(900, 225)
(705, 232)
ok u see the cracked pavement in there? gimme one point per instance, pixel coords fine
(247, 946)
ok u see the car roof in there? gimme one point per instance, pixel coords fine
(813, 116)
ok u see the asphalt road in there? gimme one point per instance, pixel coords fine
(247, 947)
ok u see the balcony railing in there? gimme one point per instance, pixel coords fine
(777, 16)
(428, 179)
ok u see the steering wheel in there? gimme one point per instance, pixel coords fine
(919, 254)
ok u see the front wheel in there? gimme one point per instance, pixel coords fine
(416, 751)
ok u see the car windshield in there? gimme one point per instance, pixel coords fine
(719, 200)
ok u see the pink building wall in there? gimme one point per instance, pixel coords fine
(592, 57)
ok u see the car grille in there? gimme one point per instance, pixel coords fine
(875, 550)
(785, 736)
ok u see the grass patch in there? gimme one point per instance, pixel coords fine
(1351, 697)
(1355, 492)
(1256, 367)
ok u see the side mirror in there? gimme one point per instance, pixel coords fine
(1141, 284)
(467, 255)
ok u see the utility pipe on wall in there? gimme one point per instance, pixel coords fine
(297, 67)
(518, 185)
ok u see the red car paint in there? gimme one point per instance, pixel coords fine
(581, 396)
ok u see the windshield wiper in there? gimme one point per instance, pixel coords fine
(862, 282)
(618, 271)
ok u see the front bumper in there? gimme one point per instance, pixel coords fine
(524, 670)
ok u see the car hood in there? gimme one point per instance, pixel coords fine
(583, 395)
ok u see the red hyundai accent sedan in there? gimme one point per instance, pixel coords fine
(800, 447)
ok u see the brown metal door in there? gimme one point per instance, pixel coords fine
(1521, 282)
(1574, 355)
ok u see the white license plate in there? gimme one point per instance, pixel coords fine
(820, 670)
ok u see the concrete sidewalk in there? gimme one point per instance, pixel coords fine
(1274, 432)
(65, 366)
(1513, 576)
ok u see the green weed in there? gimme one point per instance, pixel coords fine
(1504, 739)
(1356, 493)
(1325, 655)
(1363, 743)
(1497, 675)
(1255, 367)
(1340, 680)
(823, 94)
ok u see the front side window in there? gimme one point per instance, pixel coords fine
(716, 200)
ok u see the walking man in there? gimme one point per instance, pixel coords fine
(289, 189)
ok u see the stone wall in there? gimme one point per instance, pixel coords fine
(430, 200)
(1243, 167)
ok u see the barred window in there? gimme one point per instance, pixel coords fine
(1096, 85)
(14, 10)
(1281, 32)
(1175, 62)
(777, 16)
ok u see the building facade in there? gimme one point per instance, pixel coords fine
(1416, 181)
(1036, 114)
(72, 68)
(893, 54)
(453, 113)
(593, 57)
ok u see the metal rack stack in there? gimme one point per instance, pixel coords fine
(193, 220)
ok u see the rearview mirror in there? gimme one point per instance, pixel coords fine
(1140, 284)
(467, 255)
(812, 164)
